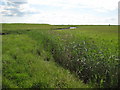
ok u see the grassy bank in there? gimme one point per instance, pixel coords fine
(41, 56)
(26, 64)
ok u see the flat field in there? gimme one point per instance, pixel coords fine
(54, 56)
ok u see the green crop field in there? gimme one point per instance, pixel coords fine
(47, 56)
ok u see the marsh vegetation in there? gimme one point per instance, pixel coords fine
(39, 56)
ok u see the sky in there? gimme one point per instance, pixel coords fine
(63, 12)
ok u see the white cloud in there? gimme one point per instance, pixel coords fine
(64, 13)
(94, 4)
(16, 8)
(53, 18)
(68, 18)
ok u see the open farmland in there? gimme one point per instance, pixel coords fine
(46, 56)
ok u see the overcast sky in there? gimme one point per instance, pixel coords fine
(78, 12)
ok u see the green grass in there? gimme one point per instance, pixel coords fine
(23, 67)
(38, 56)
(27, 65)
(92, 53)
